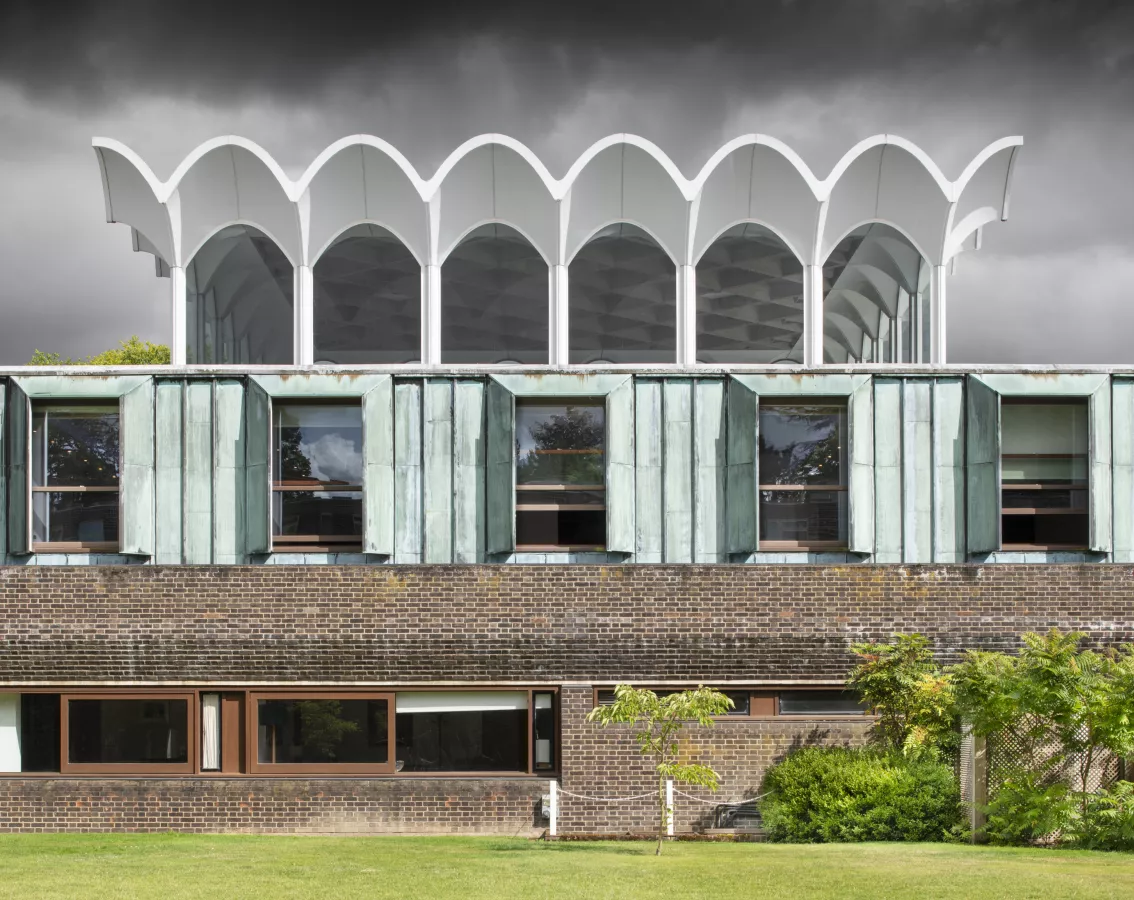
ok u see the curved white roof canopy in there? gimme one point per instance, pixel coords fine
(621, 178)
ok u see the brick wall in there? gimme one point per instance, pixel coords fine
(535, 623)
(344, 806)
(605, 762)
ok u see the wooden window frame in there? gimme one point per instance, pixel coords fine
(842, 404)
(598, 402)
(755, 695)
(71, 546)
(1084, 403)
(312, 543)
(193, 716)
(252, 724)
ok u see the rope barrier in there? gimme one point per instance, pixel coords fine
(718, 802)
(608, 799)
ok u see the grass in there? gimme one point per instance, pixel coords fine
(171, 867)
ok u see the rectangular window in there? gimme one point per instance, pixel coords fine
(560, 476)
(347, 732)
(127, 733)
(740, 699)
(1044, 466)
(463, 731)
(316, 477)
(75, 460)
(803, 476)
(543, 731)
(820, 703)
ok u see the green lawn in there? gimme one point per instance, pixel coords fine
(220, 868)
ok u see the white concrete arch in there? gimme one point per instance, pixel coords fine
(130, 193)
(321, 251)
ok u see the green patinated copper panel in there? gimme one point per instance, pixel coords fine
(313, 385)
(198, 527)
(78, 387)
(438, 470)
(258, 470)
(169, 441)
(378, 468)
(136, 478)
(649, 499)
(3, 471)
(408, 537)
(677, 408)
(560, 384)
(982, 466)
(1122, 473)
(1042, 384)
(917, 471)
(743, 440)
(710, 461)
(860, 423)
(18, 433)
(229, 520)
(949, 470)
(888, 470)
(468, 472)
(620, 501)
(500, 468)
(1101, 488)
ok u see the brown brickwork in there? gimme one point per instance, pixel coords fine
(345, 806)
(555, 625)
(533, 623)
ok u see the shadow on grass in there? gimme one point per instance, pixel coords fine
(607, 848)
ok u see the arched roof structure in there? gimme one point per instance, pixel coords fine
(494, 178)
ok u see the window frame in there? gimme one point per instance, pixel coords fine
(1083, 402)
(317, 543)
(45, 406)
(817, 402)
(252, 724)
(584, 400)
(193, 714)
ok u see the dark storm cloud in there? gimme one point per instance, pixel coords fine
(223, 50)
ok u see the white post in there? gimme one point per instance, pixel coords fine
(669, 807)
(559, 317)
(304, 350)
(553, 808)
(813, 315)
(177, 313)
(431, 315)
(937, 312)
(686, 315)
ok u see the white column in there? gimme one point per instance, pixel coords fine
(559, 316)
(304, 347)
(813, 315)
(177, 313)
(937, 313)
(10, 760)
(686, 315)
(431, 315)
(669, 807)
(553, 808)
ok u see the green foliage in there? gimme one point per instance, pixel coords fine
(911, 696)
(131, 352)
(1109, 820)
(656, 721)
(578, 429)
(840, 794)
(1027, 809)
(323, 725)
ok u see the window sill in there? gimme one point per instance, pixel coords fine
(559, 548)
(76, 547)
(811, 546)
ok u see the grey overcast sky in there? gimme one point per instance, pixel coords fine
(1050, 285)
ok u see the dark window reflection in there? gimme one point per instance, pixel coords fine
(560, 475)
(75, 459)
(322, 731)
(494, 299)
(819, 703)
(128, 731)
(802, 471)
(317, 475)
(465, 741)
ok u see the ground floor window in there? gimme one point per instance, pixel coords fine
(762, 702)
(332, 732)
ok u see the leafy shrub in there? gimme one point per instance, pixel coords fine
(1109, 821)
(833, 794)
(1027, 811)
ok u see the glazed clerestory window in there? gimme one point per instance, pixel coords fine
(560, 476)
(1044, 474)
(316, 477)
(803, 476)
(75, 465)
